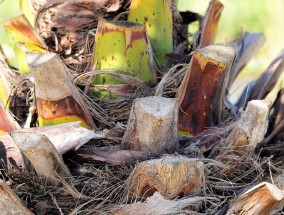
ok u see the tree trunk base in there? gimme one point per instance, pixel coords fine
(42, 155)
(263, 198)
(10, 203)
(245, 136)
(172, 176)
(152, 125)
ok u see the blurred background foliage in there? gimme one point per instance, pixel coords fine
(238, 16)
(8, 9)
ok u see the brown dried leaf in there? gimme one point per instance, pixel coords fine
(71, 20)
(114, 6)
(157, 205)
(278, 110)
(114, 155)
(247, 46)
(265, 83)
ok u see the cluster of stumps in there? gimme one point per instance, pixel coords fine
(182, 148)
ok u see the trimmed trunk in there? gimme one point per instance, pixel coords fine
(157, 17)
(171, 176)
(11, 156)
(122, 47)
(57, 98)
(263, 198)
(152, 125)
(203, 89)
(42, 155)
(10, 203)
(245, 136)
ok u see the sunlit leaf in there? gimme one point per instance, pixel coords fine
(21, 32)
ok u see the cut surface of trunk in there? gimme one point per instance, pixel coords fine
(203, 88)
(152, 125)
(10, 203)
(263, 198)
(171, 176)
